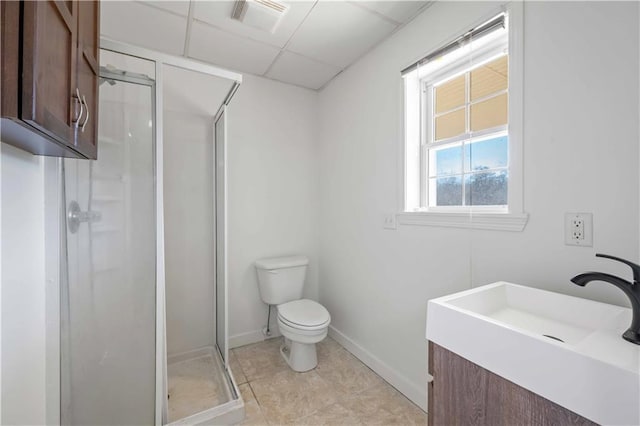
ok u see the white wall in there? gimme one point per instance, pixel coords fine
(23, 288)
(581, 152)
(273, 192)
(189, 242)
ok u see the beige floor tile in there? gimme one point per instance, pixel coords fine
(346, 372)
(262, 359)
(288, 396)
(253, 413)
(334, 414)
(236, 368)
(194, 386)
(340, 391)
(382, 404)
(325, 347)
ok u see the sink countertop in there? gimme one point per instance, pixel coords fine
(501, 326)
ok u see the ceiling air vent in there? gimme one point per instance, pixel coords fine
(261, 14)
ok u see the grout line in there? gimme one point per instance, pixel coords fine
(237, 363)
(349, 397)
(255, 397)
(254, 394)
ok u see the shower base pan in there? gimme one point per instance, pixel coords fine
(201, 391)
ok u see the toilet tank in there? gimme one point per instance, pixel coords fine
(281, 279)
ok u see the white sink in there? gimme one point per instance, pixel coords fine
(513, 331)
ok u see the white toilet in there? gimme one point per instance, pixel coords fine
(302, 322)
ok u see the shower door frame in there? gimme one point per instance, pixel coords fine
(128, 78)
(160, 59)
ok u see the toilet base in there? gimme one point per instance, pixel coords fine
(301, 357)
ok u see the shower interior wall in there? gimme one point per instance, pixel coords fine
(191, 100)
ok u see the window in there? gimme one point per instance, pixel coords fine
(467, 137)
(463, 128)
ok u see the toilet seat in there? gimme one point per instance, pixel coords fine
(304, 314)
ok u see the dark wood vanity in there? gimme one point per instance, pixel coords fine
(50, 76)
(463, 393)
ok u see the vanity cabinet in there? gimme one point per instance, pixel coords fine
(463, 393)
(50, 77)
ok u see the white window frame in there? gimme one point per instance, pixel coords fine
(415, 210)
(463, 66)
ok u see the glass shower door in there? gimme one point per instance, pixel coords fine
(108, 300)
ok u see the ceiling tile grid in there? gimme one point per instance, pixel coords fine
(302, 71)
(218, 14)
(123, 21)
(313, 42)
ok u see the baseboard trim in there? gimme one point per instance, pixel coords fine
(250, 337)
(247, 338)
(416, 394)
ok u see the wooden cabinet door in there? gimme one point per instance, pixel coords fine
(88, 73)
(463, 393)
(49, 67)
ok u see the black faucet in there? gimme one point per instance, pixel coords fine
(632, 290)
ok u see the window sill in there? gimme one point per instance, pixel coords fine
(514, 222)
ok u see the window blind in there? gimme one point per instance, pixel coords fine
(475, 33)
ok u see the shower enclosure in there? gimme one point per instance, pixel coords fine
(114, 366)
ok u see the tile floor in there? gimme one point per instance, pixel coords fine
(340, 391)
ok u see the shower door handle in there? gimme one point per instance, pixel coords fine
(76, 216)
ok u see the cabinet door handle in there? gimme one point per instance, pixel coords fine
(77, 121)
(84, 101)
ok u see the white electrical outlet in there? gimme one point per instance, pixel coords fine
(578, 229)
(389, 221)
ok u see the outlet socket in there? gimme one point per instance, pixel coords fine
(578, 229)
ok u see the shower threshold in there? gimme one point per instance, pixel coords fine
(201, 391)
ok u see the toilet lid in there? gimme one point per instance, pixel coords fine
(304, 312)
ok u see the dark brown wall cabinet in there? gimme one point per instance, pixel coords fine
(463, 393)
(50, 77)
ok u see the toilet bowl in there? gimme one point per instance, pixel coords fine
(303, 323)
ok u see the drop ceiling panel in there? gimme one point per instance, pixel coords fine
(218, 14)
(180, 86)
(230, 51)
(177, 7)
(293, 68)
(125, 21)
(338, 33)
(315, 40)
(399, 11)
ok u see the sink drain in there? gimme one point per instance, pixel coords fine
(553, 337)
